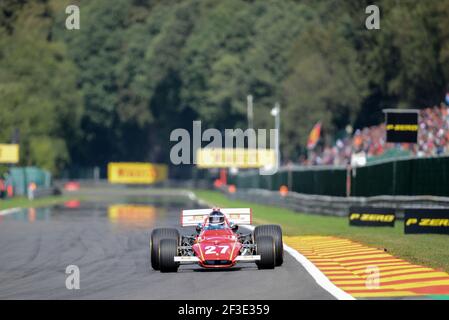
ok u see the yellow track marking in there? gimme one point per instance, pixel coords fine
(381, 268)
(411, 270)
(351, 266)
(383, 294)
(413, 285)
(369, 262)
(386, 280)
(370, 256)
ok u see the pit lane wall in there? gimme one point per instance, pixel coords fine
(400, 177)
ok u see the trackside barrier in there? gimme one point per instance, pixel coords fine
(21, 177)
(45, 192)
(335, 206)
(406, 176)
(167, 184)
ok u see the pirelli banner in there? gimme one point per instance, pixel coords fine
(371, 217)
(136, 173)
(426, 221)
(402, 125)
(235, 158)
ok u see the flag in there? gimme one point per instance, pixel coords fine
(314, 136)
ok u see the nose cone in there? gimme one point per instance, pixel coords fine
(218, 250)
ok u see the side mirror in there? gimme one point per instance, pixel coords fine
(234, 227)
(198, 228)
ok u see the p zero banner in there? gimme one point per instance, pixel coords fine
(372, 217)
(402, 126)
(136, 173)
(235, 158)
(9, 153)
(426, 221)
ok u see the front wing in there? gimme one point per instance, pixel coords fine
(193, 259)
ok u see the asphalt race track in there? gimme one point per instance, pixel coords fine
(111, 249)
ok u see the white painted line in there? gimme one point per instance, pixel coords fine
(319, 277)
(186, 259)
(248, 258)
(9, 211)
(316, 273)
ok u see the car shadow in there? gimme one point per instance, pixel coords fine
(231, 269)
(218, 270)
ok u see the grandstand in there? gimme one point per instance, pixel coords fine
(433, 139)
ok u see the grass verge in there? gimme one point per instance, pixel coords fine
(22, 202)
(426, 249)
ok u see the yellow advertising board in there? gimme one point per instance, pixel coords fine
(136, 173)
(131, 214)
(9, 153)
(235, 158)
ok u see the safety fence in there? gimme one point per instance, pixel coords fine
(403, 176)
(336, 206)
(20, 178)
(167, 184)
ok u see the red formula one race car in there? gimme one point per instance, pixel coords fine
(216, 244)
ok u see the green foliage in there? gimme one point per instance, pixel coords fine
(48, 153)
(136, 70)
(327, 81)
(37, 89)
(22, 202)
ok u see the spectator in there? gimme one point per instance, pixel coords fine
(433, 139)
(2, 189)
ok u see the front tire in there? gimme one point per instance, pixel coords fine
(156, 236)
(168, 249)
(274, 231)
(265, 247)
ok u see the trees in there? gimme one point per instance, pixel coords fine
(326, 83)
(37, 88)
(136, 70)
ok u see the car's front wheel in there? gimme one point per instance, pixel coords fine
(156, 236)
(265, 247)
(168, 249)
(274, 231)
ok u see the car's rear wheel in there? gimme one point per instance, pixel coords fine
(156, 236)
(265, 247)
(274, 231)
(168, 249)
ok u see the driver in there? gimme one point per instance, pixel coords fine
(216, 219)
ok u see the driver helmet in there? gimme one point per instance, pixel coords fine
(216, 217)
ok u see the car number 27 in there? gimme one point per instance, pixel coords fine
(213, 249)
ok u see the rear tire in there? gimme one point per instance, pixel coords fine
(156, 236)
(168, 249)
(274, 231)
(266, 250)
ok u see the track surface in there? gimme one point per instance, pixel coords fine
(112, 254)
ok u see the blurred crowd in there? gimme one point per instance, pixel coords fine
(433, 139)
